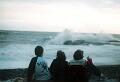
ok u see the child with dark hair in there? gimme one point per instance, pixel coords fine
(88, 64)
(59, 66)
(38, 69)
(78, 58)
(77, 69)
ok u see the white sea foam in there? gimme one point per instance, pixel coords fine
(18, 55)
(67, 35)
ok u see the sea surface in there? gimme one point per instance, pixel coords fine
(17, 47)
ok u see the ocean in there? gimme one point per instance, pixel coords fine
(17, 47)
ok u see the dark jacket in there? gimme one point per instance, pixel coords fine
(31, 69)
(77, 73)
(58, 69)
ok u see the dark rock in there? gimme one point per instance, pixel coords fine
(109, 71)
(113, 41)
(78, 42)
(68, 42)
(12, 73)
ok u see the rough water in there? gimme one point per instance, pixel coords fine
(17, 47)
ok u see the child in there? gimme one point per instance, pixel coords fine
(38, 69)
(59, 66)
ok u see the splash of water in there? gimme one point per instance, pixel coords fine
(68, 35)
(61, 37)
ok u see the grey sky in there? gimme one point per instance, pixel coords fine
(56, 15)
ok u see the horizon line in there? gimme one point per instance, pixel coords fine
(55, 31)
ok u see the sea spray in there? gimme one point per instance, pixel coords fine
(69, 37)
(18, 54)
(61, 37)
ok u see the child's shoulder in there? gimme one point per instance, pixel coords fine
(34, 58)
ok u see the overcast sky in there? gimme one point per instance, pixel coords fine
(56, 15)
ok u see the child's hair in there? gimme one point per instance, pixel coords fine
(61, 55)
(78, 55)
(39, 51)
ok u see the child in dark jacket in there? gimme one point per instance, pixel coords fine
(77, 68)
(59, 66)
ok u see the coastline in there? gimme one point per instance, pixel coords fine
(109, 71)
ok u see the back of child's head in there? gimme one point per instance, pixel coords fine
(61, 55)
(78, 55)
(39, 51)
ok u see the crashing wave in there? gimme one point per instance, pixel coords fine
(69, 38)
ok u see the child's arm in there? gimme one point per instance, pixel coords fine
(31, 69)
